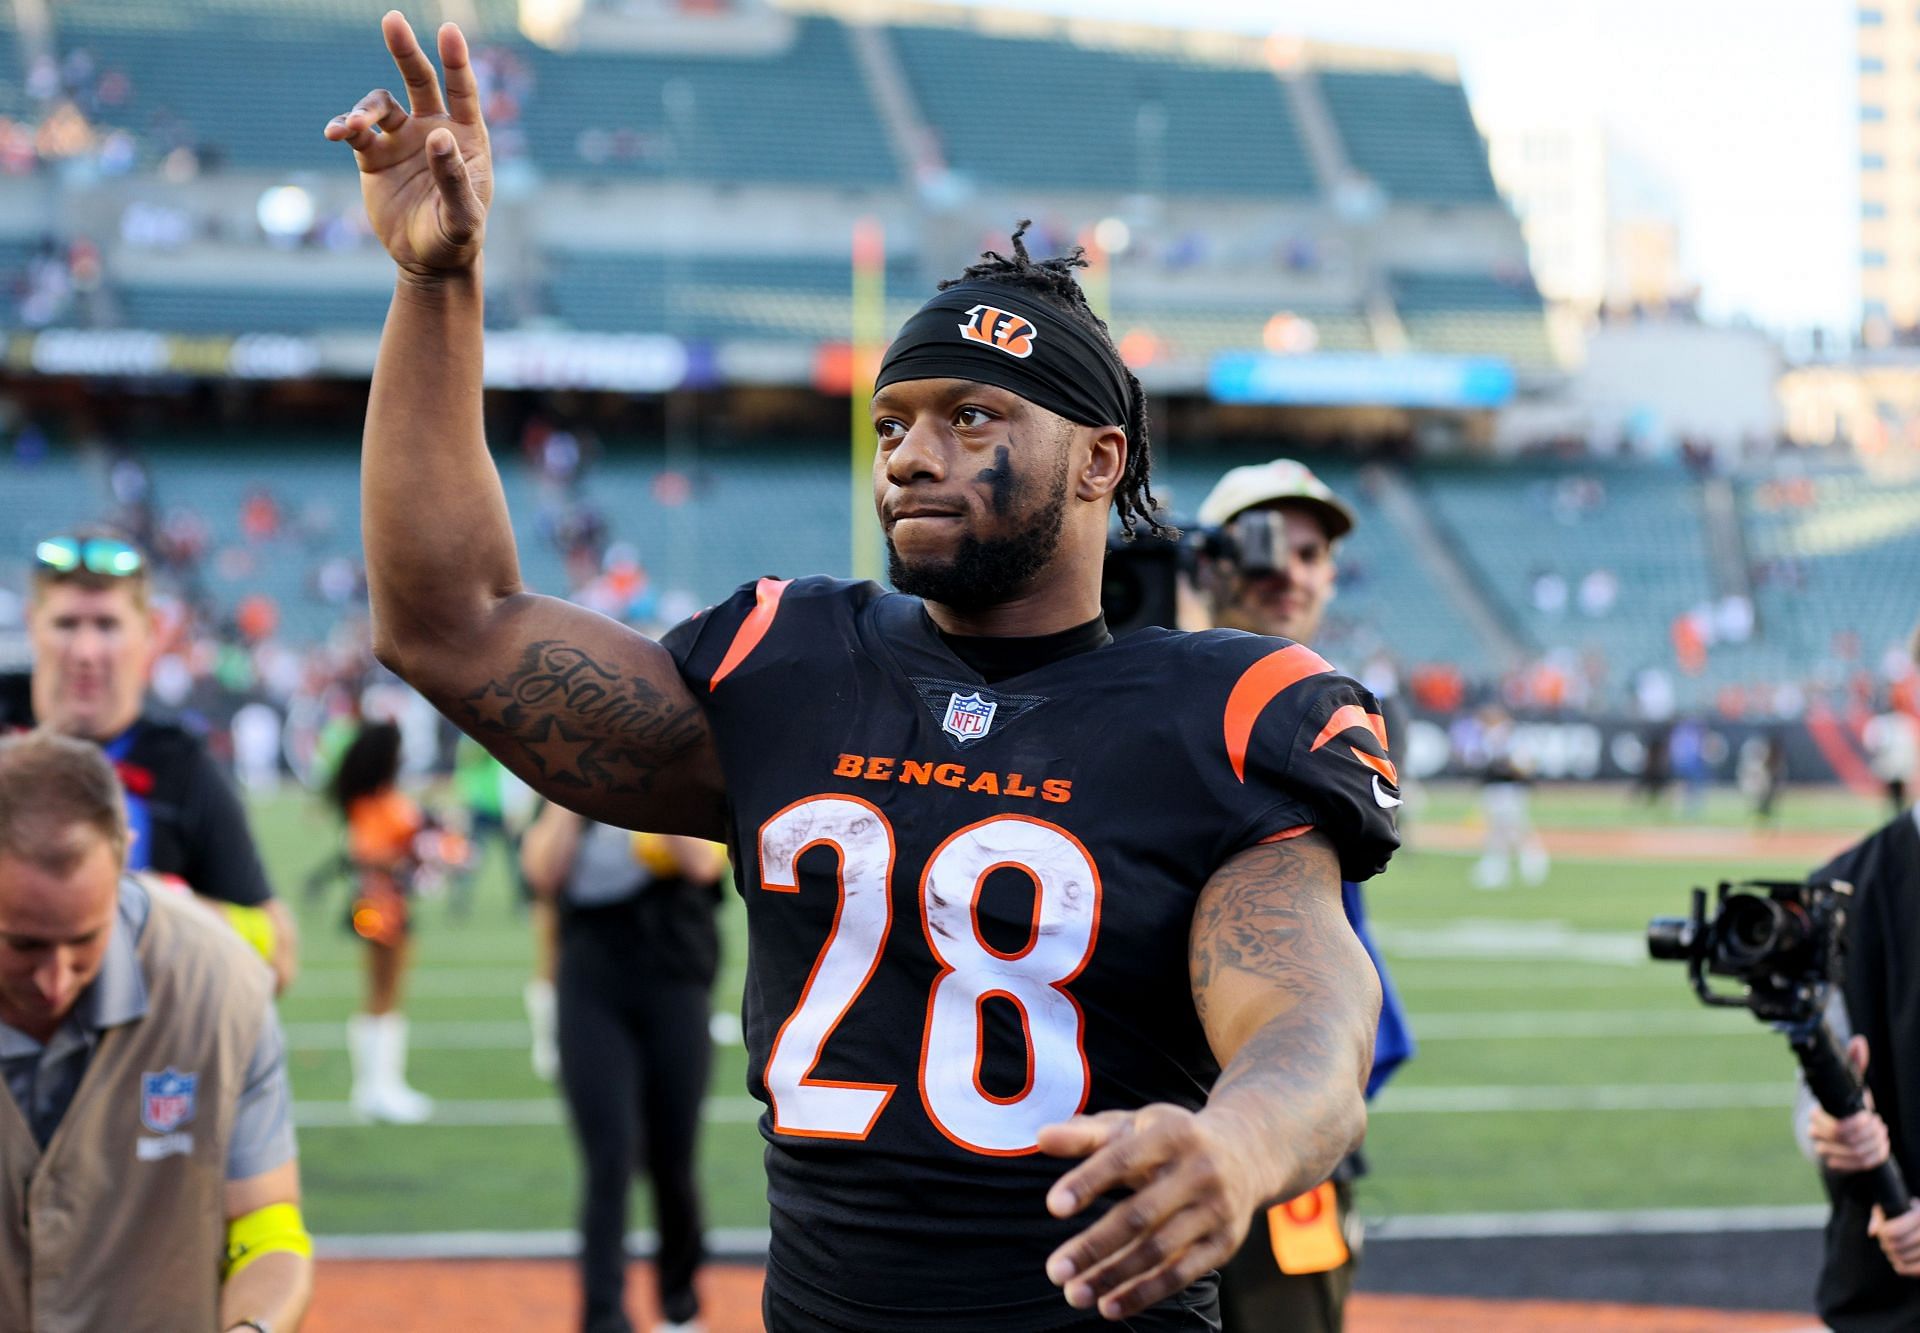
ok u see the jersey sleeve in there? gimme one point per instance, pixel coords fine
(221, 860)
(709, 646)
(786, 634)
(1307, 747)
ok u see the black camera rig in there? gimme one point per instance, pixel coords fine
(1785, 944)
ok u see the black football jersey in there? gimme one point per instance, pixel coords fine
(968, 909)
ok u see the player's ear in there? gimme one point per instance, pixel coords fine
(1105, 464)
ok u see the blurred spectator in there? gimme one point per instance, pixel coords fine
(260, 515)
(1599, 589)
(1549, 593)
(1762, 774)
(1687, 751)
(1892, 741)
(1505, 806)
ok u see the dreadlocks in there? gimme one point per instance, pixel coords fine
(1052, 281)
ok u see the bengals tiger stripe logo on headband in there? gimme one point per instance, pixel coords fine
(1011, 333)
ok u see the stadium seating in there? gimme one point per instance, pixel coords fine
(1834, 553)
(1412, 134)
(806, 298)
(250, 309)
(1511, 524)
(1473, 314)
(1205, 331)
(1044, 113)
(13, 97)
(801, 116)
(284, 70)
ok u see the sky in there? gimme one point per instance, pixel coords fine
(1746, 108)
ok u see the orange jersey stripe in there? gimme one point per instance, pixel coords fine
(766, 602)
(1287, 834)
(1351, 715)
(1258, 686)
(1384, 767)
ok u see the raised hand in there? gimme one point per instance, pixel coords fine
(426, 174)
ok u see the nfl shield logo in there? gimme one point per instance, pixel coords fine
(166, 1100)
(968, 716)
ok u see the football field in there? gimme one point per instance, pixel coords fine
(1558, 1068)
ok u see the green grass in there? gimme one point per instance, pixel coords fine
(1449, 947)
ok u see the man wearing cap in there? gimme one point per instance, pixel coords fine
(91, 628)
(1017, 893)
(1270, 533)
(148, 1177)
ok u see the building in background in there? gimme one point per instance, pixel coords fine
(1889, 172)
(1602, 228)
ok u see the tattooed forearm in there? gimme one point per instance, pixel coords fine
(1290, 1002)
(571, 724)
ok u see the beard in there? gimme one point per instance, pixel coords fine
(985, 573)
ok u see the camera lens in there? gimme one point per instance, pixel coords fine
(1670, 938)
(1755, 931)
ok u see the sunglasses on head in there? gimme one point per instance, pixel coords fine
(96, 555)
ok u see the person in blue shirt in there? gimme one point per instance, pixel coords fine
(1267, 566)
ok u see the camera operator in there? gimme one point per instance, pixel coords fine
(1868, 1281)
(1266, 565)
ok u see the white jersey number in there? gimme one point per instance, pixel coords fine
(1066, 919)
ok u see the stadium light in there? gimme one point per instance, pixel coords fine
(285, 213)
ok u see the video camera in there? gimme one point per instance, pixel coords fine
(1785, 943)
(1142, 574)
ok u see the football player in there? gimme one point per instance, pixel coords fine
(1049, 985)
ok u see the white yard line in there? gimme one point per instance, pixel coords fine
(745, 1242)
(468, 1113)
(506, 1034)
(321, 982)
(1519, 1098)
(1582, 1222)
(725, 1242)
(509, 1034)
(1573, 1023)
(1599, 1097)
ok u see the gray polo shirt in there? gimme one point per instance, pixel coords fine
(43, 1079)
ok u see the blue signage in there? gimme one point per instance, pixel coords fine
(1359, 379)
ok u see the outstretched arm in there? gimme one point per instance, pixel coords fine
(589, 713)
(1289, 1000)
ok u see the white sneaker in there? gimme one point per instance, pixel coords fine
(378, 1047)
(395, 1105)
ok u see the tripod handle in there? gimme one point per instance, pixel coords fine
(1841, 1094)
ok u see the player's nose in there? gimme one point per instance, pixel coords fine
(917, 457)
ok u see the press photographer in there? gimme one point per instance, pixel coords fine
(1803, 958)
(1869, 1282)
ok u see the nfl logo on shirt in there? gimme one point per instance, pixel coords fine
(166, 1099)
(968, 716)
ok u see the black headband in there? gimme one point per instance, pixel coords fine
(986, 332)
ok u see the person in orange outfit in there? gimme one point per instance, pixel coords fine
(383, 828)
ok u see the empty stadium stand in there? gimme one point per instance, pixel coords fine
(1049, 113)
(713, 297)
(282, 72)
(1834, 553)
(1473, 314)
(1411, 133)
(1642, 523)
(802, 116)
